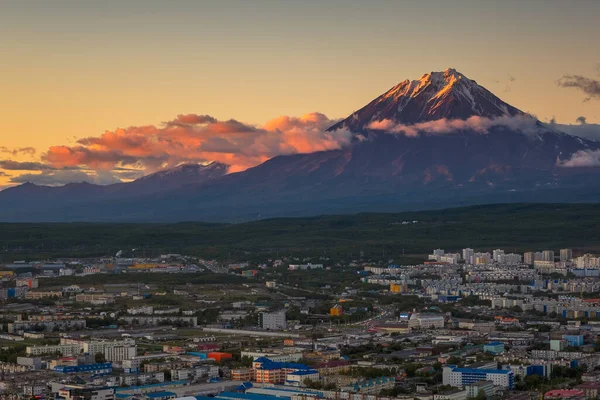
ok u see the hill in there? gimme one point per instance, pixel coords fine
(515, 227)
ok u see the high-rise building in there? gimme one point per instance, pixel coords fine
(497, 253)
(509, 259)
(548, 255)
(272, 320)
(529, 258)
(481, 258)
(566, 254)
(467, 254)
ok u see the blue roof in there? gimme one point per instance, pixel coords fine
(157, 395)
(268, 364)
(307, 372)
(197, 354)
(493, 343)
(246, 396)
(244, 386)
(481, 371)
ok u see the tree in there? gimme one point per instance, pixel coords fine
(481, 395)
(99, 358)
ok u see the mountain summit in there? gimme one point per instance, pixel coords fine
(437, 95)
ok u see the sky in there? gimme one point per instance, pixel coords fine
(83, 75)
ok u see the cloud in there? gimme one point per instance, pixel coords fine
(57, 178)
(523, 123)
(30, 151)
(590, 87)
(199, 138)
(190, 119)
(582, 120)
(583, 130)
(24, 166)
(582, 158)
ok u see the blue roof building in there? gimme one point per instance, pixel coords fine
(460, 377)
(101, 368)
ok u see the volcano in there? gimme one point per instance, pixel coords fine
(437, 95)
(442, 140)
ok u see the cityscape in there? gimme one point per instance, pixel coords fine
(458, 325)
(299, 200)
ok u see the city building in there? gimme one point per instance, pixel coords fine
(494, 348)
(460, 377)
(426, 321)
(548, 255)
(566, 254)
(473, 390)
(272, 320)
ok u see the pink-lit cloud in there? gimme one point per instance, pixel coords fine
(522, 123)
(198, 138)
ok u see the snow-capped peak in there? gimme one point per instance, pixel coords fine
(190, 170)
(436, 95)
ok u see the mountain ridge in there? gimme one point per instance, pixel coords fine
(494, 151)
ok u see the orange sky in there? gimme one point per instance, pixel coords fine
(73, 69)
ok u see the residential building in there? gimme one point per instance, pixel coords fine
(426, 321)
(460, 377)
(548, 255)
(566, 254)
(474, 389)
(272, 320)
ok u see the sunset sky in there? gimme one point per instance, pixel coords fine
(283, 70)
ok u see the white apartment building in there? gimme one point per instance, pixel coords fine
(548, 255)
(272, 320)
(147, 310)
(119, 353)
(587, 261)
(63, 349)
(566, 254)
(425, 321)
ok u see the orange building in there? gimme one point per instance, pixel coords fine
(270, 375)
(219, 356)
(336, 311)
(242, 374)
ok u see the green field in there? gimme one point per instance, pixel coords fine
(514, 227)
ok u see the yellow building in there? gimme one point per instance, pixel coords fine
(6, 273)
(399, 287)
